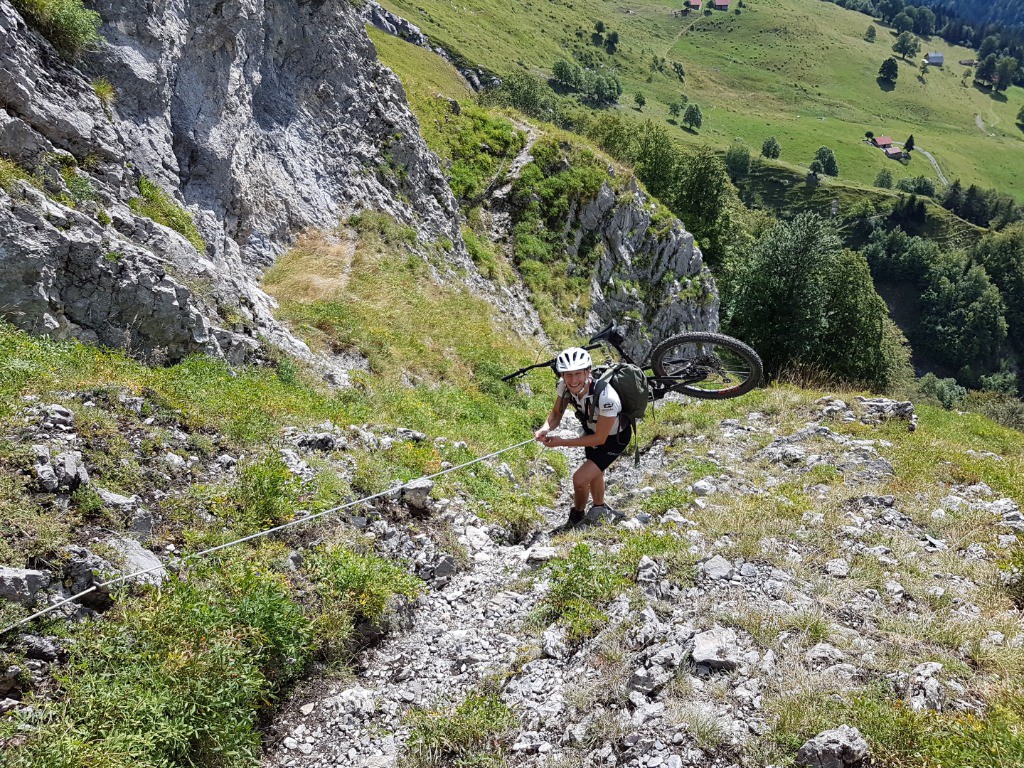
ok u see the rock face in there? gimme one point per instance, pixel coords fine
(649, 267)
(259, 119)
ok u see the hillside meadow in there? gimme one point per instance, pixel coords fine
(796, 69)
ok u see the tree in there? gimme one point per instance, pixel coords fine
(924, 21)
(906, 45)
(908, 145)
(1020, 116)
(599, 27)
(988, 47)
(693, 117)
(889, 70)
(771, 148)
(871, 33)
(640, 100)
(704, 195)
(1002, 256)
(678, 69)
(801, 299)
(674, 109)
(737, 162)
(889, 9)
(986, 71)
(817, 168)
(611, 42)
(903, 23)
(869, 135)
(568, 74)
(963, 319)
(827, 158)
(1006, 69)
(656, 159)
(884, 179)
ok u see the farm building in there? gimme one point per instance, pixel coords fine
(882, 141)
(935, 59)
(721, 5)
(894, 152)
(968, 62)
(693, 5)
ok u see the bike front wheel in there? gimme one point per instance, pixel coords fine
(711, 366)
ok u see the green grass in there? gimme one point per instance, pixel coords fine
(475, 733)
(796, 69)
(67, 24)
(161, 208)
(10, 172)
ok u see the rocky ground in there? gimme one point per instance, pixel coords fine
(808, 569)
(685, 673)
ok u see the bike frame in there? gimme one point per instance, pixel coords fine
(611, 337)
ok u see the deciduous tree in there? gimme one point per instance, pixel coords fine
(771, 148)
(889, 70)
(827, 158)
(903, 22)
(737, 162)
(906, 45)
(693, 117)
(870, 34)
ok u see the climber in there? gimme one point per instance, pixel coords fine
(605, 437)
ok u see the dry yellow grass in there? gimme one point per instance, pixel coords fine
(316, 269)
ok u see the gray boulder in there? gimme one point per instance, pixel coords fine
(22, 585)
(417, 493)
(135, 558)
(843, 747)
(717, 648)
(70, 470)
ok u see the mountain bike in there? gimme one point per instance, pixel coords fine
(710, 366)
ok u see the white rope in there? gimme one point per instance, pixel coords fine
(260, 534)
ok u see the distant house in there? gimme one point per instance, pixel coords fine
(934, 59)
(721, 5)
(968, 62)
(894, 152)
(882, 141)
(693, 5)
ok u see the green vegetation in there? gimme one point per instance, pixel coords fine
(10, 172)
(104, 91)
(475, 733)
(798, 69)
(67, 24)
(822, 307)
(157, 205)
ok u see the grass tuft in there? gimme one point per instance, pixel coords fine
(475, 733)
(67, 24)
(157, 205)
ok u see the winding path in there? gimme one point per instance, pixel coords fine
(931, 158)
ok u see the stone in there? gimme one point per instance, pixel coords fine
(924, 690)
(22, 585)
(539, 554)
(321, 441)
(704, 487)
(70, 470)
(839, 568)
(716, 648)
(416, 494)
(116, 500)
(42, 648)
(555, 643)
(136, 558)
(43, 470)
(650, 679)
(843, 747)
(717, 568)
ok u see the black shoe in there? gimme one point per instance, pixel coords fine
(575, 518)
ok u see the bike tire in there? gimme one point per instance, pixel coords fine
(726, 367)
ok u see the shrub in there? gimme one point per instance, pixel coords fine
(581, 585)
(158, 206)
(11, 172)
(884, 179)
(69, 26)
(105, 91)
(949, 394)
(178, 678)
(918, 185)
(475, 733)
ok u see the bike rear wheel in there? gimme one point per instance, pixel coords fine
(711, 366)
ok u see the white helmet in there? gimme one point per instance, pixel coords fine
(572, 359)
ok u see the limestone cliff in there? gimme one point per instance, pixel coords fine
(260, 119)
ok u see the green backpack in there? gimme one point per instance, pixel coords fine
(631, 384)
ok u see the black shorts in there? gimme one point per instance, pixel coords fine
(603, 455)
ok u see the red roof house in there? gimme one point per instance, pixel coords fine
(693, 4)
(721, 5)
(882, 141)
(893, 152)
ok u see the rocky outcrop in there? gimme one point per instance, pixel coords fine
(259, 119)
(650, 269)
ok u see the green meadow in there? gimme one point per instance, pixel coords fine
(796, 69)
